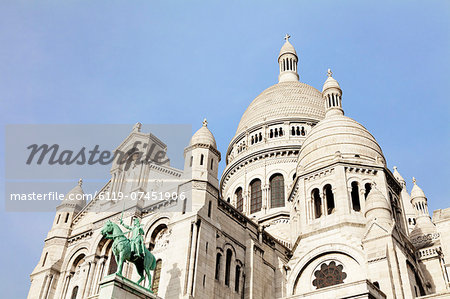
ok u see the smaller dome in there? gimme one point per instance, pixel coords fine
(417, 191)
(377, 205)
(287, 48)
(338, 137)
(77, 190)
(330, 82)
(203, 136)
(75, 198)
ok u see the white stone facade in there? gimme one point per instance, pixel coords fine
(305, 208)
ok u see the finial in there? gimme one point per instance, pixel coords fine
(205, 123)
(80, 182)
(286, 37)
(414, 180)
(137, 127)
(329, 73)
(395, 167)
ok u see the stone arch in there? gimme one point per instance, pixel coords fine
(318, 255)
(155, 220)
(80, 249)
(154, 229)
(273, 172)
(98, 244)
(229, 245)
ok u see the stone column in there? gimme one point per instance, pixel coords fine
(98, 276)
(266, 198)
(87, 288)
(47, 285)
(192, 258)
(66, 285)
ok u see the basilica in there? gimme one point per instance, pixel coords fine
(306, 207)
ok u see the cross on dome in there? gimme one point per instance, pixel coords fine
(329, 73)
(414, 180)
(286, 37)
(205, 123)
(80, 182)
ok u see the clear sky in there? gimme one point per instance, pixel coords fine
(83, 62)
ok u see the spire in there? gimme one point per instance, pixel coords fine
(332, 95)
(419, 200)
(288, 62)
(399, 177)
(377, 206)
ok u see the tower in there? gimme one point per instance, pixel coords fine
(287, 61)
(410, 213)
(45, 276)
(201, 162)
(332, 95)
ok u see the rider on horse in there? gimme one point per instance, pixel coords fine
(137, 239)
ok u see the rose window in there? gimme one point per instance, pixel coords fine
(329, 275)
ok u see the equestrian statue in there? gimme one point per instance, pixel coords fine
(131, 250)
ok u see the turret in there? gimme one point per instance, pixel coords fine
(424, 225)
(332, 95)
(377, 207)
(202, 157)
(72, 203)
(288, 62)
(46, 273)
(410, 212)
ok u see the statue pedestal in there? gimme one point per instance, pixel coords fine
(117, 287)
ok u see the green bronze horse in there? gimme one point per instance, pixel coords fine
(121, 248)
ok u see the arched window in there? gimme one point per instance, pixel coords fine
(260, 136)
(281, 131)
(293, 131)
(255, 196)
(355, 197)
(303, 132)
(271, 133)
(253, 139)
(317, 203)
(298, 131)
(276, 191)
(228, 266)
(156, 277)
(74, 293)
(237, 278)
(218, 261)
(367, 188)
(327, 190)
(276, 132)
(239, 200)
(201, 159)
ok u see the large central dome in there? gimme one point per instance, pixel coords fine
(285, 100)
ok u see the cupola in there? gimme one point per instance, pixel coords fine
(288, 62)
(332, 95)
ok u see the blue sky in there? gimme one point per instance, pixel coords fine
(103, 62)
